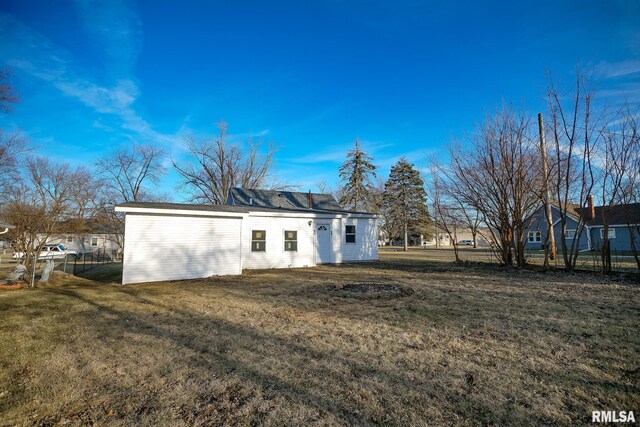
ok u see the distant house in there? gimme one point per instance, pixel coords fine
(255, 229)
(587, 226)
(89, 236)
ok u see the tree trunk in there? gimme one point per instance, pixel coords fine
(406, 237)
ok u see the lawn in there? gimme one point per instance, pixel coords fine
(405, 341)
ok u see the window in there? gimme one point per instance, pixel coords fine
(69, 239)
(94, 241)
(350, 233)
(570, 234)
(611, 232)
(291, 241)
(535, 237)
(258, 240)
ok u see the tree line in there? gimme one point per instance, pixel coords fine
(504, 170)
(510, 166)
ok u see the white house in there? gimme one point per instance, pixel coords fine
(169, 241)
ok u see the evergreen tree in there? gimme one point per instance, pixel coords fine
(356, 173)
(405, 201)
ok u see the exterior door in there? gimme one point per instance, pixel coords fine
(323, 243)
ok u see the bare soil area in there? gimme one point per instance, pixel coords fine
(404, 341)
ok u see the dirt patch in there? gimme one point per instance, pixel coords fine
(375, 289)
(4, 286)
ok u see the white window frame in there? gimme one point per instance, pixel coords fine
(611, 232)
(294, 241)
(534, 237)
(573, 237)
(354, 234)
(255, 240)
(94, 245)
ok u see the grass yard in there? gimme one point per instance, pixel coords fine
(405, 341)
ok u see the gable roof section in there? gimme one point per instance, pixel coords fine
(281, 199)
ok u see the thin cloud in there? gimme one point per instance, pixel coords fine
(27, 50)
(116, 28)
(337, 153)
(618, 69)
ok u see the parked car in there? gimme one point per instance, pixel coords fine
(465, 243)
(50, 252)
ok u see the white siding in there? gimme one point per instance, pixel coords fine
(275, 256)
(163, 247)
(366, 246)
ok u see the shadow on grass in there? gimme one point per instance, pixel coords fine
(275, 365)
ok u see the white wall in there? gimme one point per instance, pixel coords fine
(165, 247)
(366, 246)
(275, 256)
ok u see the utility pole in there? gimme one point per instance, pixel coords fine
(550, 240)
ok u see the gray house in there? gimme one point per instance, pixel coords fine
(586, 225)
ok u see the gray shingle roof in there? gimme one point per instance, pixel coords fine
(616, 214)
(281, 199)
(183, 206)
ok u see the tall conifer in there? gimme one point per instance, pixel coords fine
(405, 200)
(356, 174)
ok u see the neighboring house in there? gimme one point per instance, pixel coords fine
(591, 232)
(441, 237)
(256, 229)
(92, 236)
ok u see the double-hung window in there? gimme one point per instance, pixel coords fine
(350, 233)
(258, 240)
(535, 237)
(290, 240)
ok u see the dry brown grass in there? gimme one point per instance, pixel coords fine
(469, 346)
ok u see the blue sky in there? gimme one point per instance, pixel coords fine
(404, 77)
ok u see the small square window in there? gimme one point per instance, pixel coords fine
(290, 240)
(350, 233)
(570, 234)
(258, 240)
(69, 239)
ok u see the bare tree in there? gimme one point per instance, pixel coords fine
(8, 95)
(621, 179)
(129, 172)
(215, 166)
(499, 177)
(40, 206)
(13, 145)
(575, 134)
(445, 216)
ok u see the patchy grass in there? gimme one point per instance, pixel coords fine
(402, 341)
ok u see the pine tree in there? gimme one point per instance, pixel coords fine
(405, 201)
(356, 173)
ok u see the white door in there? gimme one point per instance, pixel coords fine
(323, 243)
